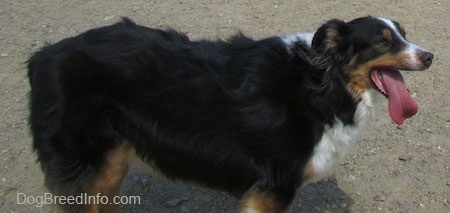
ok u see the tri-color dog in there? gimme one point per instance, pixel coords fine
(257, 118)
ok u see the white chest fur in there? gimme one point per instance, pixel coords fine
(339, 139)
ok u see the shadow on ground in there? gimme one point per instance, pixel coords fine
(161, 195)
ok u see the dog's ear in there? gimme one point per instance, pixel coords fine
(329, 36)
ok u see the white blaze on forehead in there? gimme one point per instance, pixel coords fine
(411, 48)
(391, 24)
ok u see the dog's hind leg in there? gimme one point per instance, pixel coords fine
(110, 178)
(91, 179)
(84, 159)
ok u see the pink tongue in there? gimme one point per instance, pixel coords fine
(401, 104)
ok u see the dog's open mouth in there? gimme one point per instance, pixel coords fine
(401, 104)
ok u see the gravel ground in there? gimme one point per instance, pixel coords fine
(394, 169)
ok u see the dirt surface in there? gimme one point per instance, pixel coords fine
(394, 169)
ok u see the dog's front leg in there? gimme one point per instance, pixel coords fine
(261, 199)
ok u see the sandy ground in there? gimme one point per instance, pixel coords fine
(394, 169)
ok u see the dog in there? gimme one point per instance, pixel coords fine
(255, 118)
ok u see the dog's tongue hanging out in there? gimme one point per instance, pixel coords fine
(401, 104)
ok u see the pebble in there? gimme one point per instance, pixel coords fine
(448, 182)
(4, 55)
(405, 157)
(352, 177)
(108, 18)
(379, 197)
(175, 202)
(343, 205)
(396, 172)
(10, 189)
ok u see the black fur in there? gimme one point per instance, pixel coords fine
(227, 114)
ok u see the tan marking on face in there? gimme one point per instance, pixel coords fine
(256, 201)
(359, 75)
(387, 35)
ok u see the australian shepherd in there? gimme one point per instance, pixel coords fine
(256, 118)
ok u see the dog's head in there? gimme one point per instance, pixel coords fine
(371, 52)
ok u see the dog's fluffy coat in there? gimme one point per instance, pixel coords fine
(254, 118)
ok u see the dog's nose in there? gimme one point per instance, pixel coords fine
(427, 58)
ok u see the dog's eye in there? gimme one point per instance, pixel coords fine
(383, 42)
